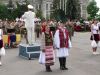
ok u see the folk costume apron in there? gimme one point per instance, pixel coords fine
(49, 53)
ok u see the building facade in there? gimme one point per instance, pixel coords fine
(84, 4)
(46, 5)
(83, 7)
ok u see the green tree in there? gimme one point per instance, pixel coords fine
(3, 11)
(56, 5)
(98, 16)
(10, 8)
(54, 9)
(73, 9)
(10, 12)
(39, 14)
(92, 9)
(21, 8)
(58, 14)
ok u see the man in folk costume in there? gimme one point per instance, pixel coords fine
(61, 42)
(29, 18)
(47, 48)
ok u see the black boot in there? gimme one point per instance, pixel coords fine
(64, 64)
(61, 63)
(48, 69)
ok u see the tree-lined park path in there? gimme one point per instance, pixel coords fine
(80, 62)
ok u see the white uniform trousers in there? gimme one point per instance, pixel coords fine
(30, 35)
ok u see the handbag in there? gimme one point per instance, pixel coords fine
(2, 51)
(99, 44)
(42, 58)
(93, 43)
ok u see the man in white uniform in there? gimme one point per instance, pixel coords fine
(29, 18)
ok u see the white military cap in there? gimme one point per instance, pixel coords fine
(30, 6)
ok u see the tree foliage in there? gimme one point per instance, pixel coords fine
(92, 9)
(3, 11)
(73, 9)
(11, 12)
(21, 8)
(39, 14)
(58, 14)
(10, 8)
(56, 4)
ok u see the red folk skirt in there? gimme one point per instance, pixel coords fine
(95, 37)
(49, 55)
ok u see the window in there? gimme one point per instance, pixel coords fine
(39, 6)
(51, 5)
(46, 6)
(84, 7)
(36, 6)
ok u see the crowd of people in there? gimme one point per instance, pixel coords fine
(10, 26)
(18, 26)
(54, 35)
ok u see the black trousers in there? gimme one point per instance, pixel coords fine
(62, 61)
(47, 67)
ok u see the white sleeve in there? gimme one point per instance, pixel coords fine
(24, 16)
(57, 39)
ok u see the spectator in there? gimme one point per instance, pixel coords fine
(95, 35)
(1, 43)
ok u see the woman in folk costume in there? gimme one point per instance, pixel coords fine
(1, 43)
(47, 48)
(43, 26)
(61, 42)
(95, 35)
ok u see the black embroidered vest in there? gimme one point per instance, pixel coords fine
(48, 39)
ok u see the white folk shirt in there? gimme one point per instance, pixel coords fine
(29, 18)
(57, 38)
(95, 28)
(62, 52)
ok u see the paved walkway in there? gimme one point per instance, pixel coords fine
(80, 62)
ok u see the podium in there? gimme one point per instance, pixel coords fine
(29, 51)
